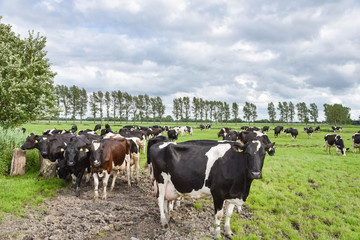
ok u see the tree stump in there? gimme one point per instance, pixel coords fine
(47, 168)
(18, 162)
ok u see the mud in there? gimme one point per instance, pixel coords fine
(128, 213)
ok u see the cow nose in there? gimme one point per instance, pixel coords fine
(70, 163)
(96, 163)
(256, 175)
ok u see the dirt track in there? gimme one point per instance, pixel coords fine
(126, 214)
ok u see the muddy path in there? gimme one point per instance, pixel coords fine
(126, 214)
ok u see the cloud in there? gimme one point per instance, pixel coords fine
(232, 51)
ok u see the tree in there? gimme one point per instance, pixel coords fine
(107, 101)
(235, 111)
(285, 108)
(134, 109)
(160, 108)
(314, 112)
(250, 112)
(147, 105)
(186, 105)
(114, 103)
(195, 108)
(291, 111)
(26, 80)
(93, 105)
(175, 111)
(127, 105)
(100, 101)
(64, 97)
(83, 101)
(226, 111)
(271, 112)
(337, 114)
(74, 101)
(303, 112)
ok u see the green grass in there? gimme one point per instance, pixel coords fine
(304, 194)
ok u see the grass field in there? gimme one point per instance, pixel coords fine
(304, 194)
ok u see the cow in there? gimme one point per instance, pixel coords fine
(334, 140)
(151, 142)
(317, 129)
(53, 131)
(223, 131)
(106, 158)
(334, 128)
(172, 135)
(200, 168)
(231, 136)
(310, 131)
(245, 136)
(181, 130)
(202, 127)
(294, 132)
(208, 126)
(73, 129)
(31, 142)
(277, 130)
(76, 157)
(106, 130)
(97, 127)
(244, 128)
(265, 129)
(356, 141)
(189, 130)
(253, 129)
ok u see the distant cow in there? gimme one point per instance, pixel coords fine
(208, 126)
(310, 131)
(106, 158)
(277, 130)
(223, 131)
(334, 140)
(317, 129)
(202, 127)
(172, 135)
(197, 169)
(97, 127)
(334, 128)
(265, 129)
(294, 132)
(356, 141)
(231, 136)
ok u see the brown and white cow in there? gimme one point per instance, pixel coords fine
(107, 157)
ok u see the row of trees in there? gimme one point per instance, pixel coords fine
(115, 104)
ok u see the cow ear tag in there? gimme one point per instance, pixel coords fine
(81, 149)
(36, 141)
(62, 149)
(270, 149)
(86, 150)
(240, 150)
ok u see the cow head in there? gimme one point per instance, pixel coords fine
(340, 147)
(255, 151)
(96, 151)
(30, 142)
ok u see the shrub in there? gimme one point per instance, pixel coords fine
(10, 139)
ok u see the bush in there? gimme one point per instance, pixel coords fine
(9, 140)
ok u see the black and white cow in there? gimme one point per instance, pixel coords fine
(201, 168)
(310, 131)
(277, 130)
(208, 126)
(294, 133)
(334, 140)
(231, 136)
(265, 129)
(356, 141)
(317, 129)
(202, 127)
(334, 128)
(223, 132)
(172, 135)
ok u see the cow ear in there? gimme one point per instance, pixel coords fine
(270, 148)
(86, 150)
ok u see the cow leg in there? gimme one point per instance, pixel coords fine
(137, 164)
(114, 176)
(218, 206)
(105, 182)
(229, 210)
(78, 181)
(161, 201)
(96, 186)
(127, 159)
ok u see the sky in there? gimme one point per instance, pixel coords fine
(224, 50)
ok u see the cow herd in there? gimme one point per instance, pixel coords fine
(223, 170)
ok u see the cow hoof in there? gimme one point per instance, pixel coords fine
(77, 193)
(228, 232)
(104, 197)
(217, 234)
